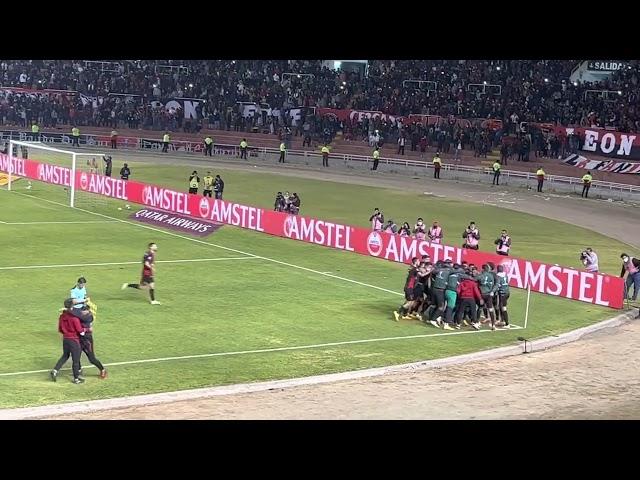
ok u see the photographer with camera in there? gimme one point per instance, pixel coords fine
(589, 259)
(503, 243)
(471, 236)
(377, 220)
(279, 203)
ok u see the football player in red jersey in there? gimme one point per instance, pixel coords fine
(148, 273)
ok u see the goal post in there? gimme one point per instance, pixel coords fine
(56, 156)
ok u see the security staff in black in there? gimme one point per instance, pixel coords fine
(86, 343)
(108, 165)
(194, 182)
(218, 187)
(125, 172)
(208, 146)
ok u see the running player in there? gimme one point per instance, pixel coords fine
(148, 273)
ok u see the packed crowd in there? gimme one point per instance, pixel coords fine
(529, 90)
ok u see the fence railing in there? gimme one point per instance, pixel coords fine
(234, 150)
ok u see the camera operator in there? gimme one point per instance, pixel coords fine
(589, 259)
(294, 205)
(279, 203)
(377, 220)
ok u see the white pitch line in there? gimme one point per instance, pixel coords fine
(53, 223)
(217, 246)
(270, 350)
(26, 267)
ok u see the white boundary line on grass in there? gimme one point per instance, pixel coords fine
(244, 388)
(54, 223)
(27, 267)
(270, 350)
(214, 245)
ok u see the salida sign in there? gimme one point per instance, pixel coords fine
(595, 288)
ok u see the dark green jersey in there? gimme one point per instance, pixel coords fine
(503, 284)
(486, 282)
(440, 277)
(454, 279)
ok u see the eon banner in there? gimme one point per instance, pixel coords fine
(595, 288)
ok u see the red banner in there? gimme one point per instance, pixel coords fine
(595, 288)
(603, 142)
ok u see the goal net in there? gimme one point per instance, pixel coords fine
(75, 161)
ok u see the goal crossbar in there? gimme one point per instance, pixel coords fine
(41, 146)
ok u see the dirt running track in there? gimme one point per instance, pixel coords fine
(595, 377)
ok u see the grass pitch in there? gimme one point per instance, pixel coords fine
(239, 306)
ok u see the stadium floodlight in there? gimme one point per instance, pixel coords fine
(60, 157)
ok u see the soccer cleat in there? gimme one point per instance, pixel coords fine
(434, 323)
(78, 380)
(407, 317)
(446, 326)
(465, 323)
(396, 316)
(124, 286)
(457, 326)
(103, 374)
(476, 325)
(54, 375)
(155, 302)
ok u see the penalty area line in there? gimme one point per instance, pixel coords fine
(270, 350)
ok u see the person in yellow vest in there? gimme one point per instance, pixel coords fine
(208, 146)
(540, 175)
(208, 185)
(283, 150)
(496, 172)
(437, 165)
(75, 136)
(586, 184)
(376, 158)
(35, 130)
(325, 156)
(165, 142)
(243, 149)
(194, 182)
